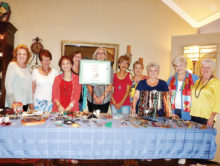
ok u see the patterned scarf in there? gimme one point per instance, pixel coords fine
(185, 91)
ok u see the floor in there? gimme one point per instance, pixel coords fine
(99, 163)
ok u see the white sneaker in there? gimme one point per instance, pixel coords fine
(74, 161)
(167, 159)
(182, 161)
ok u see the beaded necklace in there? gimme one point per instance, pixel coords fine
(46, 72)
(67, 88)
(197, 96)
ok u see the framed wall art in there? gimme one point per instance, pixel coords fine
(88, 48)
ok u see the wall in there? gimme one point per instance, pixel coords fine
(146, 25)
(212, 27)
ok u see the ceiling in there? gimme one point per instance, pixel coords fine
(196, 12)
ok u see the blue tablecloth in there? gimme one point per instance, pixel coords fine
(92, 142)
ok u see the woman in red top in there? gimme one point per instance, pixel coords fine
(121, 82)
(66, 88)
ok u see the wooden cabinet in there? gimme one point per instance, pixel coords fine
(7, 31)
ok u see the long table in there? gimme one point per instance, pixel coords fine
(92, 142)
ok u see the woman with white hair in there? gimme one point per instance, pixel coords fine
(205, 98)
(180, 85)
(152, 83)
(101, 93)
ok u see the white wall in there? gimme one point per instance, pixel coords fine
(146, 25)
(212, 27)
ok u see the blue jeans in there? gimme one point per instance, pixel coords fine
(123, 110)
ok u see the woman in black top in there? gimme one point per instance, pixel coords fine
(76, 60)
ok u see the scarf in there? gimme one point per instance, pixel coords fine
(185, 91)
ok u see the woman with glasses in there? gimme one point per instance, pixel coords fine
(99, 96)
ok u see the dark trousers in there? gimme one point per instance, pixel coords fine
(199, 120)
(178, 113)
(102, 107)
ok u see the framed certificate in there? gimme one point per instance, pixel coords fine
(94, 72)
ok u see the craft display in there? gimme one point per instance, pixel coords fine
(106, 116)
(30, 113)
(75, 125)
(5, 121)
(153, 103)
(68, 122)
(119, 116)
(17, 105)
(58, 123)
(8, 112)
(30, 118)
(17, 108)
(33, 120)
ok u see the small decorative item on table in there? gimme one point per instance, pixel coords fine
(108, 124)
(71, 114)
(68, 122)
(106, 116)
(7, 111)
(17, 107)
(5, 121)
(33, 120)
(84, 115)
(119, 116)
(75, 125)
(58, 123)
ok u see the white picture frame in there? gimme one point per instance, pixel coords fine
(94, 72)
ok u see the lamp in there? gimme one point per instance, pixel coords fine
(193, 54)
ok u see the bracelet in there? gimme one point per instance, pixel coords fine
(71, 105)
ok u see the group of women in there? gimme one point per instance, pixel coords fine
(192, 98)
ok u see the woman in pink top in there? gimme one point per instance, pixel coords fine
(121, 82)
(66, 88)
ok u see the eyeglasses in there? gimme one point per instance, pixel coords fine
(101, 53)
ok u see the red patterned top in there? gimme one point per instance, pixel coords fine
(65, 92)
(75, 92)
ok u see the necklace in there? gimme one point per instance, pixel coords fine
(152, 83)
(67, 86)
(138, 78)
(197, 96)
(75, 70)
(46, 71)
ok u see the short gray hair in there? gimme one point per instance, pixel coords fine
(153, 64)
(179, 59)
(96, 52)
(209, 61)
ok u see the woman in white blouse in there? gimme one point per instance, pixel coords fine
(43, 78)
(18, 82)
